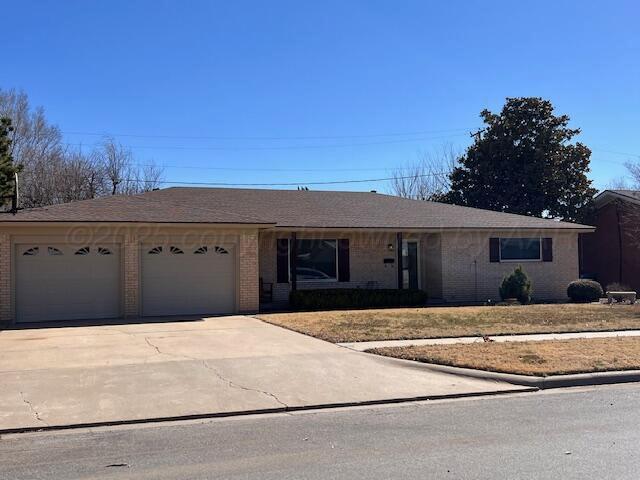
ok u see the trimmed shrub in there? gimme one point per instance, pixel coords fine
(584, 291)
(516, 285)
(335, 298)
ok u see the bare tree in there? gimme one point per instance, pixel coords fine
(630, 181)
(123, 176)
(116, 164)
(633, 168)
(53, 173)
(428, 177)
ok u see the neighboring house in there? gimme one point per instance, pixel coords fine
(611, 254)
(181, 251)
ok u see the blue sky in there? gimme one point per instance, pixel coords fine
(319, 90)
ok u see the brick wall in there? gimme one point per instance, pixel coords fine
(5, 278)
(454, 267)
(131, 265)
(612, 253)
(249, 273)
(468, 275)
(367, 252)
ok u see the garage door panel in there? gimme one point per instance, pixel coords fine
(188, 283)
(57, 284)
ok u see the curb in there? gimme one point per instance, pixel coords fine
(554, 381)
(244, 413)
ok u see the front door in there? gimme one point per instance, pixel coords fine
(410, 264)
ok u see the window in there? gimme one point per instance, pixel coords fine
(221, 250)
(316, 260)
(201, 251)
(103, 251)
(176, 250)
(54, 251)
(520, 249)
(155, 251)
(31, 251)
(83, 251)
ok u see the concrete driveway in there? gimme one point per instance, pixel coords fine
(122, 372)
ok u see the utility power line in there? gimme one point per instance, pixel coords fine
(273, 147)
(617, 153)
(289, 184)
(247, 169)
(310, 137)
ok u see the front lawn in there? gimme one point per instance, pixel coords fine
(436, 322)
(543, 358)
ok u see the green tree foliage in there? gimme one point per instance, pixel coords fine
(516, 285)
(523, 162)
(7, 167)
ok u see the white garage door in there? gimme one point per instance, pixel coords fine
(63, 282)
(181, 280)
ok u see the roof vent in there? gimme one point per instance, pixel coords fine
(374, 191)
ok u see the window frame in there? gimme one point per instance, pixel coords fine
(519, 260)
(320, 280)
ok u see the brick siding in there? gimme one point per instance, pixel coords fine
(454, 266)
(131, 265)
(469, 276)
(367, 252)
(249, 300)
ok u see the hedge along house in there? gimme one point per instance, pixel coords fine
(200, 251)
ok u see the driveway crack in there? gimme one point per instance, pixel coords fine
(155, 347)
(232, 384)
(217, 373)
(32, 408)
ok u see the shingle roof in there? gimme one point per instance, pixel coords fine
(607, 196)
(284, 208)
(131, 208)
(635, 194)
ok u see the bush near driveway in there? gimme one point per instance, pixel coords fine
(435, 322)
(542, 358)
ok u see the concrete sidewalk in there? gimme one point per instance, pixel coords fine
(54, 377)
(362, 346)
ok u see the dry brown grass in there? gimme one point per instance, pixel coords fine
(551, 357)
(437, 322)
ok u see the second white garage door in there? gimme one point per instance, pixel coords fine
(181, 280)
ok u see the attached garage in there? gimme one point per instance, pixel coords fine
(188, 280)
(65, 282)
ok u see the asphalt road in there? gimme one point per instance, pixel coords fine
(569, 434)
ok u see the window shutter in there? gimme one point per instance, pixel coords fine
(282, 246)
(547, 249)
(344, 271)
(494, 250)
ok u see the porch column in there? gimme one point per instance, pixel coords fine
(399, 250)
(293, 260)
(131, 253)
(5, 278)
(249, 283)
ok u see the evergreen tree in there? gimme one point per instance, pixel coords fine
(523, 162)
(7, 167)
